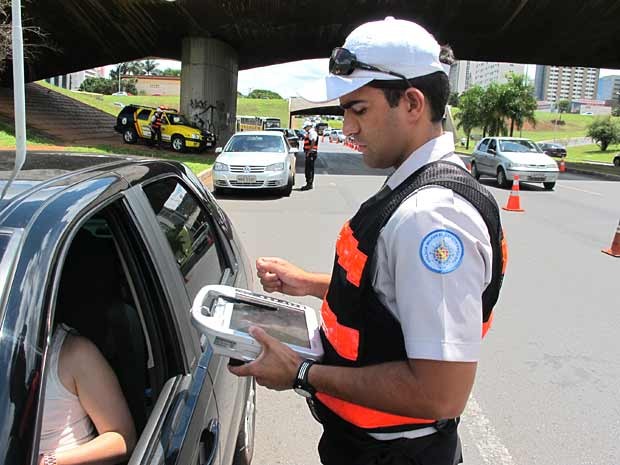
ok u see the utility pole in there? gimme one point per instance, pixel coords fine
(19, 92)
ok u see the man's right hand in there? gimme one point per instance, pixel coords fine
(278, 275)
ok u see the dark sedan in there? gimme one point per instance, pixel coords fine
(117, 248)
(553, 150)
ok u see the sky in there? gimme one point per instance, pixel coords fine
(287, 78)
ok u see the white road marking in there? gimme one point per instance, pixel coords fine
(491, 449)
(580, 190)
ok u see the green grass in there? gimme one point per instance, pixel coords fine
(575, 126)
(586, 153)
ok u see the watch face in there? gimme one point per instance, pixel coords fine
(302, 392)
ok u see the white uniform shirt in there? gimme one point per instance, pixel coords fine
(440, 312)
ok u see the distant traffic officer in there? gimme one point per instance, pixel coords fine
(311, 142)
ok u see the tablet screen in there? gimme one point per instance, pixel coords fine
(287, 325)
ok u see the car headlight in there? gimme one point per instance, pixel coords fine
(552, 165)
(220, 167)
(196, 136)
(275, 167)
(517, 166)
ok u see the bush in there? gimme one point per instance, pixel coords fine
(604, 132)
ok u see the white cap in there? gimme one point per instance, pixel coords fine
(393, 44)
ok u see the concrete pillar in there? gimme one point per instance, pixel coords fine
(209, 71)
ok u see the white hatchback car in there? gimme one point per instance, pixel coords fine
(505, 157)
(255, 160)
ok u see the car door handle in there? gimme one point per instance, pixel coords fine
(210, 440)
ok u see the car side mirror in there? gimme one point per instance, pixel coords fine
(491, 151)
(218, 150)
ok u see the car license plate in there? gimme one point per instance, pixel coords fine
(246, 178)
(208, 144)
(536, 178)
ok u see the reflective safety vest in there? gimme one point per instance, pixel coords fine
(156, 120)
(308, 143)
(357, 330)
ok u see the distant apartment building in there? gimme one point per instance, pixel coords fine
(555, 83)
(465, 74)
(608, 88)
(73, 81)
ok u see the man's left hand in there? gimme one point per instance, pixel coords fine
(276, 366)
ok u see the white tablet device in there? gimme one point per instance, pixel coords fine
(225, 314)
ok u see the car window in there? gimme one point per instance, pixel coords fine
(144, 114)
(4, 242)
(255, 143)
(483, 145)
(492, 146)
(189, 231)
(518, 146)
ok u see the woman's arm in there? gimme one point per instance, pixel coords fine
(84, 371)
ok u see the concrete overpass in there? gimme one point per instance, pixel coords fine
(216, 38)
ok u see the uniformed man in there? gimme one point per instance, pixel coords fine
(416, 274)
(156, 121)
(311, 141)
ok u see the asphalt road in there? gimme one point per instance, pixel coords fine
(547, 384)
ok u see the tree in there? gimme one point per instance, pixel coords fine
(520, 102)
(36, 40)
(149, 66)
(604, 131)
(469, 115)
(264, 94)
(453, 100)
(494, 106)
(563, 107)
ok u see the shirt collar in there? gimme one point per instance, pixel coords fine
(435, 149)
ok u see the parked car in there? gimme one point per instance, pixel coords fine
(117, 248)
(291, 136)
(337, 136)
(617, 160)
(505, 157)
(134, 123)
(255, 160)
(553, 150)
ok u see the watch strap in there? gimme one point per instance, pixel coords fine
(301, 380)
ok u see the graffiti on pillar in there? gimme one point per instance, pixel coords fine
(203, 115)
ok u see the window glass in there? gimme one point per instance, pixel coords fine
(255, 143)
(4, 242)
(144, 114)
(518, 146)
(483, 145)
(492, 145)
(189, 231)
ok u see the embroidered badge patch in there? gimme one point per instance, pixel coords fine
(441, 251)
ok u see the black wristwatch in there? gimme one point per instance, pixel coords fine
(301, 385)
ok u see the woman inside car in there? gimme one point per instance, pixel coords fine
(86, 419)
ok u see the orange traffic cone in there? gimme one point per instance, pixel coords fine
(562, 165)
(514, 202)
(614, 251)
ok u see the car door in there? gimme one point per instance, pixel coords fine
(183, 425)
(492, 158)
(480, 155)
(166, 128)
(200, 255)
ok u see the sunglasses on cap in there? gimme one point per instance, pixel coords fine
(343, 62)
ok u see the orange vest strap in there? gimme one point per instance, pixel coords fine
(364, 417)
(345, 340)
(350, 258)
